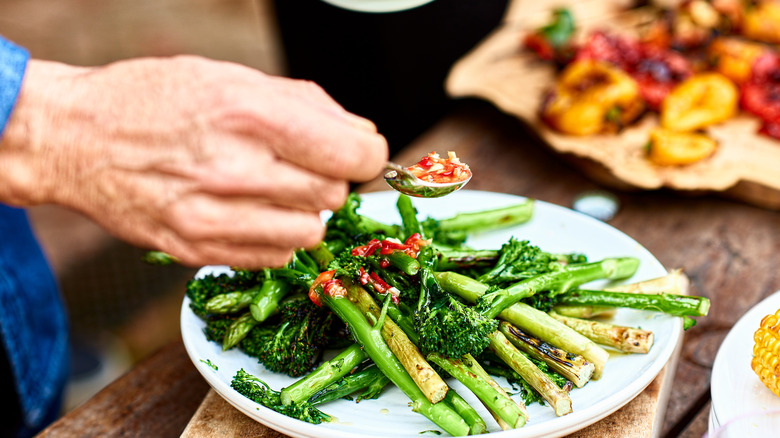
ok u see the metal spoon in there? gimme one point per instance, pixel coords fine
(401, 179)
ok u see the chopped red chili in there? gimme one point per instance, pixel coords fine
(433, 168)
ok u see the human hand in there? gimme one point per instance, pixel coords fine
(211, 162)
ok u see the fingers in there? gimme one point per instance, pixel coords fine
(252, 172)
(210, 223)
(306, 127)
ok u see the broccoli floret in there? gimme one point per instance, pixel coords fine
(451, 328)
(444, 324)
(201, 290)
(348, 265)
(519, 260)
(258, 391)
(216, 327)
(295, 342)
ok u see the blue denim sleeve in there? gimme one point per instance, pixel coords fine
(13, 60)
(33, 323)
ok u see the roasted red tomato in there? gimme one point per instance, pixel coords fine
(620, 52)
(657, 72)
(761, 93)
(655, 68)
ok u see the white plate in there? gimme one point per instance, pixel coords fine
(736, 390)
(554, 229)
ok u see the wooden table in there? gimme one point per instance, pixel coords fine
(728, 249)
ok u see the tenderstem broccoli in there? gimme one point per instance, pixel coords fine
(367, 382)
(328, 372)
(625, 339)
(258, 391)
(530, 320)
(571, 366)
(444, 324)
(563, 279)
(370, 338)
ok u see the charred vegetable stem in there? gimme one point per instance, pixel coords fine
(626, 339)
(557, 398)
(431, 384)
(571, 366)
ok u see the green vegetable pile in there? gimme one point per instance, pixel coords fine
(411, 304)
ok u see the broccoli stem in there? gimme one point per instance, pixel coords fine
(571, 366)
(370, 380)
(408, 214)
(328, 372)
(674, 282)
(368, 226)
(584, 311)
(562, 280)
(626, 339)
(266, 301)
(557, 398)
(370, 338)
(530, 320)
(471, 374)
(486, 220)
(159, 258)
(426, 378)
(460, 258)
(677, 305)
(231, 302)
(405, 263)
(476, 424)
(238, 330)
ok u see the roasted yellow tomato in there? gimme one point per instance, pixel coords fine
(591, 97)
(734, 57)
(762, 22)
(672, 148)
(703, 99)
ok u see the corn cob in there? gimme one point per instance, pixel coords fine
(766, 352)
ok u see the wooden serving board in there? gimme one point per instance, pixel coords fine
(746, 165)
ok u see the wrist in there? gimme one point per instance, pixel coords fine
(28, 167)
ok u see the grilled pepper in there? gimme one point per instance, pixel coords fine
(761, 22)
(703, 99)
(592, 97)
(734, 57)
(766, 352)
(671, 148)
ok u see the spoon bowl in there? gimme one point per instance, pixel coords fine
(402, 180)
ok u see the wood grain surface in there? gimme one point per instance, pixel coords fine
(156, 399)
(729, 250)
